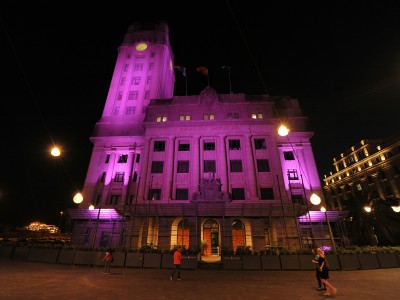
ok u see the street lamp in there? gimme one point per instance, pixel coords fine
(283, 130)
(78, 198)
(91, 207)
(59, 222)
(323, 209)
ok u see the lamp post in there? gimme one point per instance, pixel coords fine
(323, 209)
(91, 207)
(59, 222)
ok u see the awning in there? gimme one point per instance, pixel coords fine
(319, 216)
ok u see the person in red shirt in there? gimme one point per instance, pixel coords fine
(177, 264)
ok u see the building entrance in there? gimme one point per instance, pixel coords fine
(211, 237)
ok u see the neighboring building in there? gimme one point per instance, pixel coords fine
(190, 170)
(366, 176)
(372, 166)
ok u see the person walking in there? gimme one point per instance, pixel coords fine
(107, 261)
(177, 264)
(324, 273)
(316, 263)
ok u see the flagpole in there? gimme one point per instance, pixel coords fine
(186, 84)
(229, 77)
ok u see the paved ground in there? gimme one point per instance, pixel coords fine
(35, 280)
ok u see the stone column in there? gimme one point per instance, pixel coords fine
(145, 165)
(169, 167)
(222, 164)
(251, 173)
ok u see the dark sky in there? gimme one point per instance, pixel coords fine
(341, 61)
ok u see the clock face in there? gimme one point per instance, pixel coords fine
(141, 46)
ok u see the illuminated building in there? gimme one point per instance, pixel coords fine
(181, 170)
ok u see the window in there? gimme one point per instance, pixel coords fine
(138, 67)
(135, 80)
(119, 97)
(183, 166)
(159, 146)
(297, 199)
(267, 193)
(257, 116)
(161, 119)
(130, 110)
(126, 67)
(133, 95)
(103, 177)
(98, 200)
(236, 165)
(154, 194)
(123, 158)
(157, 166)
(114, 199)
(184, 147)
(116, 111)
(292, 174)
(148, 81)
(234, 144)
(238, 194)
(119, 177)
(147, 94)
(209, 166)
(232, 115)
(151, 66)
(263, 165)
(134, 177)
(182, 194)
(137, 157)
(288, 155)
(184, 118)
(107, 159)
(382, 175)
(209, 146)
(123, 79)
(208, 117)
(260, 144)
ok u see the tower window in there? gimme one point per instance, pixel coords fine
(236, 165)
(267, 193)
(182, 194)
(184, 147)
(260, 144)
(209, 166)
(159, 146)
(263, 165)
(123, 158)
(288, 155)
(292, 174)
(234, 144)
(238, 194)
(157, 166)
(183, 166)
(119, 177)
(209, 146)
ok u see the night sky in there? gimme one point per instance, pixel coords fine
(57, 59)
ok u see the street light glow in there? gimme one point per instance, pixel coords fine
(283, 130)
(367, 208)
(78, 198)
(55, 152)
(315, 199)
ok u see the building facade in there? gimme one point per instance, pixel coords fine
(201, 170)
(367, 177)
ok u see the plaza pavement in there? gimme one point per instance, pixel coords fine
(35, 280)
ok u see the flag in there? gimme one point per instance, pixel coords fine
(202, 70)
(181, 69)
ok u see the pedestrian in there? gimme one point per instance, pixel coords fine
(108, 258)
(177, 264)
(316, 263)
(324, 273)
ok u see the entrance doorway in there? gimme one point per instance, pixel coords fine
(211, 237)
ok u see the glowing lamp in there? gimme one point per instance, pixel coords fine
(91, 207)
(323, 209)
(55, 152)
(78, 198)
(283, 130)
(396, 208)
(315, 199)
(367, 208)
